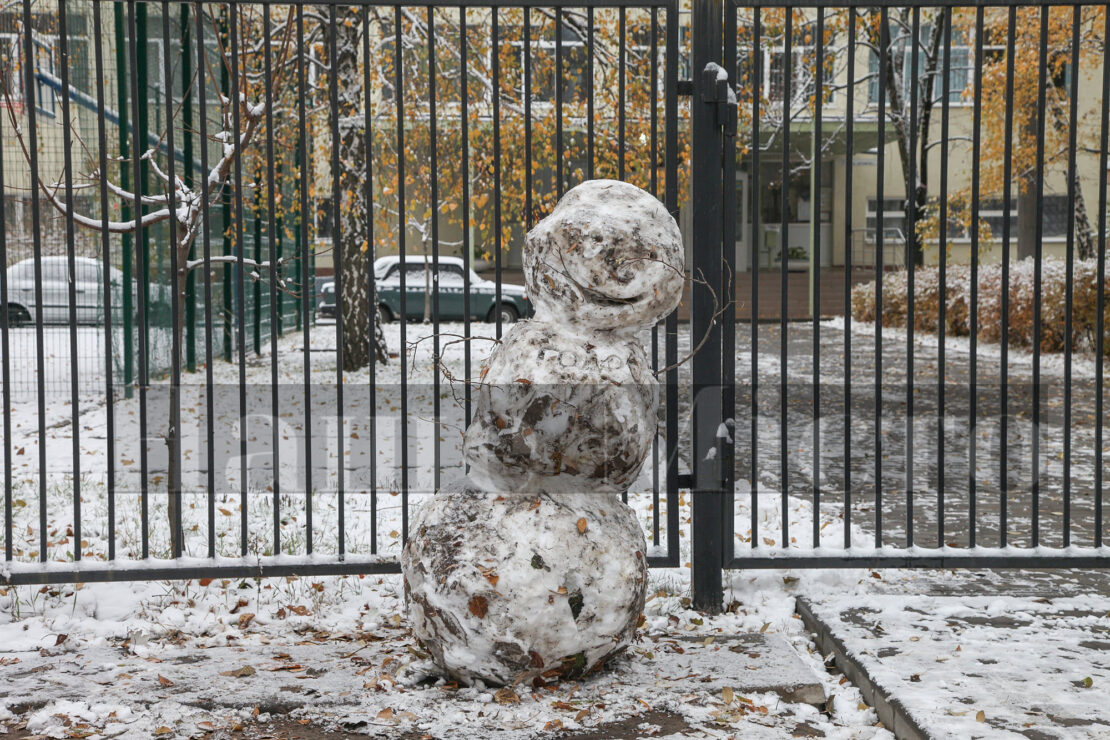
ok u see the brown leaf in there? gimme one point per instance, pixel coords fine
(245, 619)
(582, 525)
(60, 639)
(479, 607)
(204, 582)
(554, 724)
(386, 713)
(163, 730)
(506, 696)
(300, 611)
(240, 672)
(535, 659)
(164, 681)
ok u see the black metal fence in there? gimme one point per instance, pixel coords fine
(934, 424)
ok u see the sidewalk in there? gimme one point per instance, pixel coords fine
(1024, 654)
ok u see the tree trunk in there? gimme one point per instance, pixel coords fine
(1084, 234)
(351, 245)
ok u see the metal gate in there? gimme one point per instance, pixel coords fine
(274, 139)
(920, 455)
(803, 442)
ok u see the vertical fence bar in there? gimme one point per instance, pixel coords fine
(622, 54)
(138, 149)
(1038, 264)
(590, 93)
(973, 309)
(36, 236)
(527, 63)
(206, 237)
(784, 241)
(815, 274)
(337, 257)
(71, 267)
(849, 154)
(187, 156)
(1069, 284)
(173, 440)
(5, 337)
(880, 176)
(402, 252)
(911, 261)
(670, 345)
(240, 298)
(107, 280)
(654, 102)
(432, 77)
(1004, 391)
(372, 288)
(275, 266)
(706, 204)
(464, 108)
(307, 286)
(495, 26)
(727, 291)
(1100, 319)
(558, 73)
(942, 258)
(753, 314)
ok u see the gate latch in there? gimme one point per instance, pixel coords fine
(716, 90)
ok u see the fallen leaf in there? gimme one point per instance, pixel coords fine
(479, 606)
(240, 672)
(506, 696)
(386, 713)
(980, 716)
(245, 619)
(62, 638)
(554, 724)
(582, 525)
(1087, 682)
(727, 695)
(164, 681)
(163, 730)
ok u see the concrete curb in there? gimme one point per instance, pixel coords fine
(892, 713)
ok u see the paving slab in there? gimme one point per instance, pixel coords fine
(983, 665)
(669, 684)
(748, 663)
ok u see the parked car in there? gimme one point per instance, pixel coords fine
(88, 283)
(325, 309)
(514, 303)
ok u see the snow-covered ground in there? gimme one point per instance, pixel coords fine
(344, 639)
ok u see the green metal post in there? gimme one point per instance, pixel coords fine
(256, 289)
(187, 152)
(143, 135)
(125, 210)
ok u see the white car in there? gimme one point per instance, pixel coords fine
(88, 283)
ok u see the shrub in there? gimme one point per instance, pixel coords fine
(926, 303)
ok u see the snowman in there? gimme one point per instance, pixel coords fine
(531, 568)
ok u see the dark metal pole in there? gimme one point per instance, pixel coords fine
(706, 248)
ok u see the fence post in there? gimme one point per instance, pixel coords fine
(707, 211)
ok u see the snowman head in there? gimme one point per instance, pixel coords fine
(608, 257)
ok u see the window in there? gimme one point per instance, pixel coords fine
(87, 272)
(574, 60)
(450, 275)
(894, 220)
(776, 67)
(46, 81)
(958, 73)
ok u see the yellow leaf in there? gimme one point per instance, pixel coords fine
(582, 525)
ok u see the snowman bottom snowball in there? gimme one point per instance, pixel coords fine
(511, 588)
